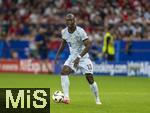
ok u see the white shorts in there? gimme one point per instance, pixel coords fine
(85, 64)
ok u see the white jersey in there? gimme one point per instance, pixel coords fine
(75, 40)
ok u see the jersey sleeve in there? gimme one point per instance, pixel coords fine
(83, 34)
(63, 34)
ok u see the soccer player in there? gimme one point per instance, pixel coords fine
(79, 46)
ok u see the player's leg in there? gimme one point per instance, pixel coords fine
(87, 69)
(93, 86)
(65, 82)
(66, 70)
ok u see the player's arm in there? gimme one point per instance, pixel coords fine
(61, 48)
(87, 45)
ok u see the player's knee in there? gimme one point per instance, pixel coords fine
(65, 71)
(90, 78)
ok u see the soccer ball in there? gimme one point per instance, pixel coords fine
(58, 96)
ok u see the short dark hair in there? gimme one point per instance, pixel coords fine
(70, 16)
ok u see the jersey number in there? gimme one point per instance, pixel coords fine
(89, 66)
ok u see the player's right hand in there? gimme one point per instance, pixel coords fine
(76, 62)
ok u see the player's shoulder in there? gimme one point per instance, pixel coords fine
(63, 31)
(80, 29)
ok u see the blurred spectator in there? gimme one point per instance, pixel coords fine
(14, 55)
(33, 51)
(18, 15)
(41, 41)
(18, 18)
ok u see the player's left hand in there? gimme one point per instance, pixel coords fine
(76, 62)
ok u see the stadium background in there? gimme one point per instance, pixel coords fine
(22, 20)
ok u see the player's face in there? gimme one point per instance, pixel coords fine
(70, 22)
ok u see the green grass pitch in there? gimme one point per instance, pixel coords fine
(118, 94)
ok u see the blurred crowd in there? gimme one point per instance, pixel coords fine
(22, 19)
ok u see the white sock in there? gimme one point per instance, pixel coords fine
(65, 85)
(95, 91)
